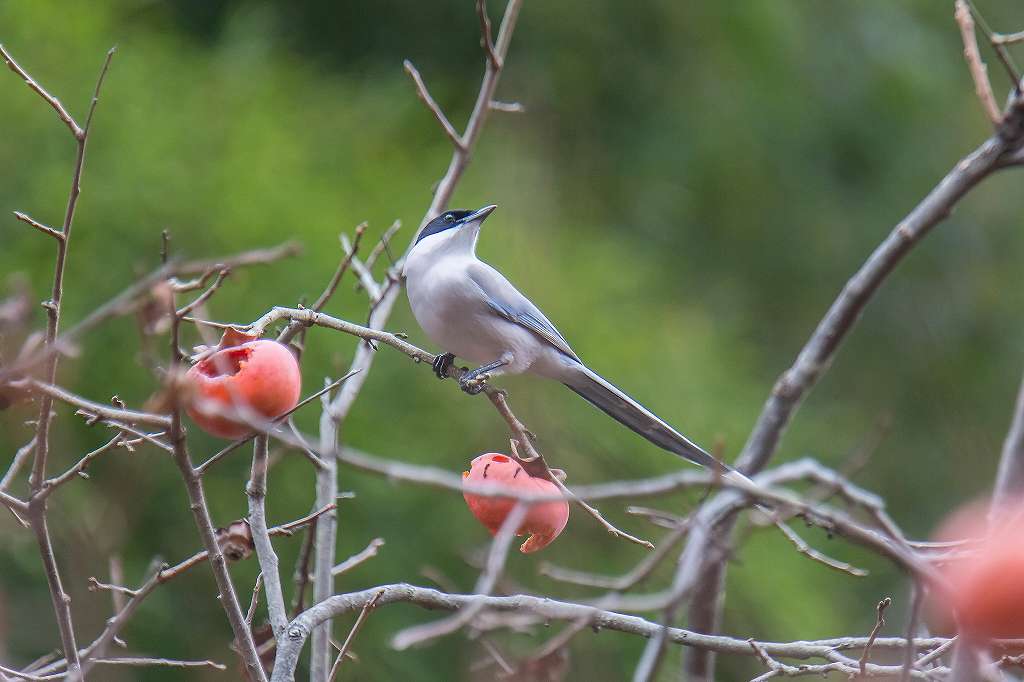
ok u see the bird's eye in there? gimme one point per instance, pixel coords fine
(449, 218)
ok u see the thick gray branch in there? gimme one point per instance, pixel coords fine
(816, 355)
(298, 630)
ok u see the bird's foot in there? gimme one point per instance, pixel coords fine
(442, 363)
(473, 384)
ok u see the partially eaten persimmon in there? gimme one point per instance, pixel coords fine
(543, 522)
(238, 386)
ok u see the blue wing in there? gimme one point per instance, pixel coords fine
(508, 302)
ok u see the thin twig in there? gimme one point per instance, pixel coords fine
(45, 229)
(350, 253)
(262, 256)
(1007, 38)
(435, 109)
(91, 409)
(99, 646)
(485, 35)
(343, 651)
(803, 548)
(205, 296)
(254, 602)
(17, 462)
(366, 280)
(493, 567)
(596, 514)
(628, 580)
(366, 554)
(507, 107)
(535, 460)
(382, 245)
(935, 654)
(289, 332)
(998, 48)
(113, 588)
(62, 113)
(141, 436)
(879, 622)
(13, 503)
(301, 574)
(52, 484)
(165, 662)
(979, 74)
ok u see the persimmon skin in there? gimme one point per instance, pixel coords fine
(261, 377)
(543, 521)
(988, 585)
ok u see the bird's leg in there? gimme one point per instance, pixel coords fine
(442, 363)
(472, 382)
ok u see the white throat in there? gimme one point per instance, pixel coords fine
(457, 242)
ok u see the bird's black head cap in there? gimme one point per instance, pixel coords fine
(445, 221)
(453, 218)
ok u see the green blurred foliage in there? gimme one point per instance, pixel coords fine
(689, 190)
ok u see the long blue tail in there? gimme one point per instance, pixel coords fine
(609, 399)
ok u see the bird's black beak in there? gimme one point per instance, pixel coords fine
(480, 214)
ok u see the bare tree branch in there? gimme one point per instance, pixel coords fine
(551, 609)
(205, 296)
(879, 622)
(338, 408)
(45, 229)
(493, 567)
(17, 462)
(982, 86)
(343, 651)
(816, 355)
(1007, 38)
(432, 105)
(803, 548)
(62, 113)
(383, 244)
(90, 408)
(52, 484)
(257, 493)
(201, 515)
(359, 558)
(37, 506)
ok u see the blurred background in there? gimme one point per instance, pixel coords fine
(688, 190)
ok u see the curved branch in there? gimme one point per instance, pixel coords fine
(290, 646)
(816, 355)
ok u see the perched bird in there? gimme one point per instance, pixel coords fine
(473, 312)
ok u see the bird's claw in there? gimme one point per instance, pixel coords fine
(474, 385)
(442, 363)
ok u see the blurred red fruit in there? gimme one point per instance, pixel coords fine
(988, 582)
(258, 378)
(543, 521)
